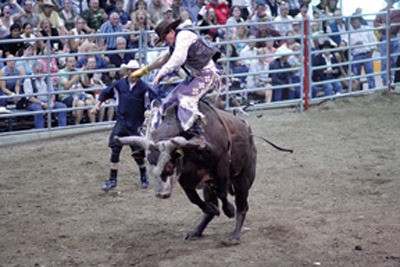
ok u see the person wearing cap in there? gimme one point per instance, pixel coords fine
(130, 117)
(281, 78)
(48, 12)
(327, 74)
(363, 42)
(187, 49)
(381, 22)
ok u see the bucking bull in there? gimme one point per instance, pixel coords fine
(221, 162)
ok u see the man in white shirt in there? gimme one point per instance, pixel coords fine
(45, 100)
(189, 50)
(359, 39)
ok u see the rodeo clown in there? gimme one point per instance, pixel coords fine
(130, 116)
(188, 50)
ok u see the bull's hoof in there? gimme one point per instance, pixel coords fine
(192, 235)
(229, 210)
(211, 210)
(229, 242)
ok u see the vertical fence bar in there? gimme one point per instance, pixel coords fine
(306, 63)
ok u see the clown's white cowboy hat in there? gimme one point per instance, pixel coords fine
(163, 28)
(282, 51)
(48, 3)
(132, 65)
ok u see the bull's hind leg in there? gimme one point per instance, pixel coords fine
(210, 199)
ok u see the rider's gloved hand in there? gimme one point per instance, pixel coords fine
(137, 74)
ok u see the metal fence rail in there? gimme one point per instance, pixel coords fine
(229, 77)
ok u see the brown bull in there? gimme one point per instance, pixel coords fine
(223, 161)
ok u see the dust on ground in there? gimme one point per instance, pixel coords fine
(334, 202)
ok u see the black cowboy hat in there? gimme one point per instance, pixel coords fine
(163, 28)
(326, 44)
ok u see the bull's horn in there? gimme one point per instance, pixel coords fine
(194, 142)
(133, 140)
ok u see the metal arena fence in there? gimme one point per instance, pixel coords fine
(237, 92)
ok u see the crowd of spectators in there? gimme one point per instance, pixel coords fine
(261, 59)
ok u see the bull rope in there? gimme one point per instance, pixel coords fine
(273, 145)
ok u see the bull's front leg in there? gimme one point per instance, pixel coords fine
(210, 210)
(207, 207)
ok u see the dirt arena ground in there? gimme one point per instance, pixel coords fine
(334, 202)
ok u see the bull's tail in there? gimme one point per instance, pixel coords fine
(272, 144)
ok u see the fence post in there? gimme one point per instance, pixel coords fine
(306, 64)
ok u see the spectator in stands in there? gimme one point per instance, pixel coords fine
(27, 33)
(53, 64)
(101, 62)
(121, 57)
(270, 51)
(89, 79)
(47, 29)
(197, 12)
(210, 19)
(123, 15)
(94, 16)
(241, 34)
(331, 8)
(358, 12)
(297, 31)
(12, 48)
(9, 86)
(79, 5)
(342, 56)
(168, 15)
(283, 22)
(14, 6)
(338, 26)
(107, 5)
(362, 38)
(260, 77)
(156, 9)
(46, 99)
(176, 9)
(321, 8)
(325, 58)
(25, 64)
(108, 79)
(68, 15)
(186, 21)
(234, 19)
(265, 30)
(48, 13)
(288, 42)
(69, 80)
(259, 15)
(141, 16)
(111, 26)
(296, 61)
(28, 16)
(283, 78)
(221, 9)
(380, 21)
(6, 21)
(248, 52)
(130, 117)
(294, 7)
(192, 8)
(140, 24)
(79, 29)
(303, 13)
(272, 7)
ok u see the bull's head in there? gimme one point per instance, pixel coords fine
(163, 159)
